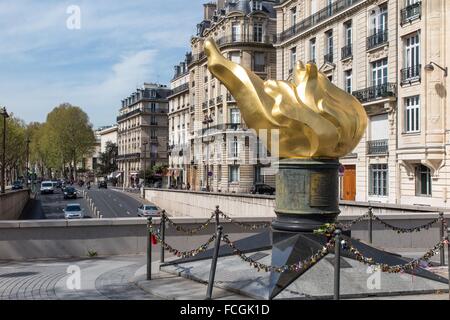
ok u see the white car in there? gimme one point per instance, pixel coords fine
(148, 210)
(73, 211)
(47, 187)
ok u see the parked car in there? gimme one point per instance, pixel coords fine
(47, 187)
(102, 184)
(148, 210)
(261, 188)
(73, 211)
(17, 185)
(70, 193)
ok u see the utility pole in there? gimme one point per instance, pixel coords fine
(5, 115)
(28, 162)
(145, 143)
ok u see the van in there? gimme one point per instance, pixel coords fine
(47, 187)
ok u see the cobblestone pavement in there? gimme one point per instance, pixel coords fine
(103, 279)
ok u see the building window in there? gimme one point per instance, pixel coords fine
(312, 50)
(379, 20)
(423, 181)
(236, 32)
(259, 62)
(313, 6)
(235, 57)
(293, 16)
(329, 46)
(378, 180)
(412, 66)
(258, 32)
(233, 173)
(235, 116)
(256, 5)
(379, 72)
(293, 58)
(348, 81)
(348, 30)
(235, 148)
(412, 114)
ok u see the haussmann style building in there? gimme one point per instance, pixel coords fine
(222, 155)
(391, 55)
(142, 134)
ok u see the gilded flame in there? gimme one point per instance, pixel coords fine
(315, 118)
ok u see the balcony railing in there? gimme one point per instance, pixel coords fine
(129, 114)
(377, 39)
(376, 92)
(411, 74)
(328, 58)
(320, 16)
(346, 52)
(377, 147)
(230, 39)
(411, 13)
(129, 156)
(180, 88)
(259, 68)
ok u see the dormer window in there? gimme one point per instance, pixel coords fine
(256, 5)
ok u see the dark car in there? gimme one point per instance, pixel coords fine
(70, 193)
(262, 189)
(17, 185)
(102, 184)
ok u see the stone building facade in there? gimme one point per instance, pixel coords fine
(142, 134)
(220, 149)
(179, 117)
(380, 51)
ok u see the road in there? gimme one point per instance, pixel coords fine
(107, 203)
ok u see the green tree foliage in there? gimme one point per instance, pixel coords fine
(15, 150)
(108, 160)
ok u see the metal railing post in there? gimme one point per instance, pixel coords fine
(212, 272)
(163, 233)
(370, 224)
(217, 212)
(149, 249)
(337, 263)
(448, 260)
(441, 237)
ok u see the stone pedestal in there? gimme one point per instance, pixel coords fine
(307, 194)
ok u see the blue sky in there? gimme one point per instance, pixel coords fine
(121, 44)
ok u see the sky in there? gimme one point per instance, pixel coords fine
(90, 53)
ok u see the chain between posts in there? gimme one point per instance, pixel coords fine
(178, 253)
(247, 226)
(203, 226)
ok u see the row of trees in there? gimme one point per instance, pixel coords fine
(56, 146)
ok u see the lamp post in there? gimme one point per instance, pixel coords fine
(5, 115)
(207, 121)
(429, 67)
(28, 162)
(145, 143)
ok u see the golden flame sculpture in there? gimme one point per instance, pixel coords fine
(315, 118)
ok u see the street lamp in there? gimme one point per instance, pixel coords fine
(5, 115)
(208, 120)
(28, 161)
(429, 67)
(145, 143)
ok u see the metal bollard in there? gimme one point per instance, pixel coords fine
(441, 237)
(337, 263)
(163, 233)
(370, 224)
(217, 212)
(149, 249)
(212, 272)
(448, 260)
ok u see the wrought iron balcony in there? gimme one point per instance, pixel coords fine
(377, 147)
(331, 10)
(232, 126)
(411, 13)
(377, 39)
(347, 52)
(259, 68)
(129, 114)
(328, 57)
(179, 89)
(369, 94)
(411, 74)
(240, 38)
